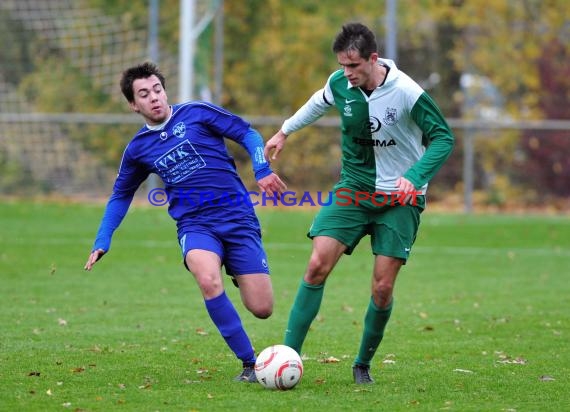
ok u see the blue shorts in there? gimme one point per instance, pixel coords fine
(237, 244)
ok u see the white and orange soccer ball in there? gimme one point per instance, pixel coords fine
(279, 367)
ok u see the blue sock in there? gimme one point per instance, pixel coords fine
(227, 320)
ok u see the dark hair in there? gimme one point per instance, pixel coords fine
(355, 37)
(142, 71)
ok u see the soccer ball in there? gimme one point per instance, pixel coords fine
(278, 367)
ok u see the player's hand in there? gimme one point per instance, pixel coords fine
(93, 258)
(275, 145)
(272, 185)
(406, 189)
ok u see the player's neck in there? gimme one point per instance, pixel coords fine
(377, 80)
(382, 74)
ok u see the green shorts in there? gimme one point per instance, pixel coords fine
(351, 215)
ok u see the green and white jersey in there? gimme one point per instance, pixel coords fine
(384, 135)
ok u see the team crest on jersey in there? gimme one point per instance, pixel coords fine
(179, 130)
(390, 117)
(347, 111)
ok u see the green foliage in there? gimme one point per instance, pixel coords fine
(503, 41)
(48, 88)
(60, 88)
(16, 49)
(276, 54)
(14, 177)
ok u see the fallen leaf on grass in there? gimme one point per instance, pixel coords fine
(96, 349)
(330, 359)
(546, 378)
(201, 332)
(516, 361)
(34, 373)
(462, 370)
(504, 358)
(389, 358)
(61, 322)
(78, 369)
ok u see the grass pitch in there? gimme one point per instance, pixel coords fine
(480, 322)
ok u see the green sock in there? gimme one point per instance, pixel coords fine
(375, 322)
(304, 309)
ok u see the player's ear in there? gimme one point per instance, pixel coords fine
(374, 57)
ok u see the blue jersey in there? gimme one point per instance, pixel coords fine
(200, 178)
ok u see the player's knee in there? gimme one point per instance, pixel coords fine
(262, 312)
(382, 294)
(317, 270)
(210, 285)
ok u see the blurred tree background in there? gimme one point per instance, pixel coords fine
(482, 60)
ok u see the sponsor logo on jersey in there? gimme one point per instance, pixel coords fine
(365, 137)
(374, 142)
(179, 163)
(374, 124)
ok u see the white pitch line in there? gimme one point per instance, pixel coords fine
(306, 245)
(462, 250)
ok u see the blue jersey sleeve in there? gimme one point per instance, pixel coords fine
(237, 129)
(116, 209)
(253, 143)
(130, 177)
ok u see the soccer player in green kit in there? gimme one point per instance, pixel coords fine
(394, 140)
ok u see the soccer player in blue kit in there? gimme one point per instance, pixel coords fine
(217, 225)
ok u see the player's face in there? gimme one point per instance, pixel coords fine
(150, 100)
(360, 72)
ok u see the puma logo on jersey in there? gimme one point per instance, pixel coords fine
(374, 142)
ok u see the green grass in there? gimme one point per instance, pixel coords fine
(480, 323)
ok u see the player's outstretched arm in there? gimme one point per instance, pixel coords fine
(93, 258)
(275, 145)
